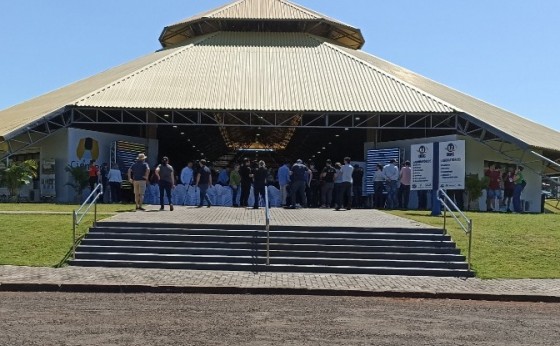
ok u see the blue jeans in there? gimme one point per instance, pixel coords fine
(392, 201)
(517, 198)
(203, 196)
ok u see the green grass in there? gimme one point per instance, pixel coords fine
(42, 236)
(506, 245)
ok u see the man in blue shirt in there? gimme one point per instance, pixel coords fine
(223, 177)
(346, 185)
(283, 181)
(299, 175)
(391, 173)
(187, 175)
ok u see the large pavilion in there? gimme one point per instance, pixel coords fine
(267, 75)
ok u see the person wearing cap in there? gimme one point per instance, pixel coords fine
(298, 175)
(327, 177)
(405, 177)
(138, 174)
(391, 173)
(166, 181)
(203, 182)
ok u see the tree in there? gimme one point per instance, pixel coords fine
(474, 186)
(18, 174)
(79, 181)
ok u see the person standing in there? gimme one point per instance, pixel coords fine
(391, 173)
(337, 184)
(138, 175)
(378, 187)
(203, 182)
(234, 182)
(284, 181)
(509, 187)
(166, 180)
(404, 190)
(115, 181)
(187, 175)
(357, 182)
(299, 176)
(223, 177)
(103, 173)
(327, 176)
(93, 174)
(519, 181)
(493, 191)
(259, 183)
(346, 186)
(245, 173)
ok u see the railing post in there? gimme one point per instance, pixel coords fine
(470, 244)
(74, 234)
(267, 224)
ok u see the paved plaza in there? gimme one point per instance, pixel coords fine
(13, 278)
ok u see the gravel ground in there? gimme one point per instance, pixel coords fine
(197, 319)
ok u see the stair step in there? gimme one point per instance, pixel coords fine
(356, 262)
(261, 252)
(409, 271)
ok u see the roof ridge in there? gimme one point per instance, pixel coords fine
(145, 68)
(301, 9)
(398, 80)
(222, 9)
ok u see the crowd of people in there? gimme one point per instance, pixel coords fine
(300, 185)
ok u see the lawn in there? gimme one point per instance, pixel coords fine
(506, 245)
(41, 234)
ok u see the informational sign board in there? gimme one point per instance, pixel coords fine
(452, 165)
(422, 164)
(378, 156)
(48, 188)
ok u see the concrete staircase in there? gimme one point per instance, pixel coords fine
(390, 251)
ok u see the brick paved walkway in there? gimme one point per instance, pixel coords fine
(157, 280)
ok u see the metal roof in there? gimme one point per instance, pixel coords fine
(263, 72)
(525, 130)
(266, 15)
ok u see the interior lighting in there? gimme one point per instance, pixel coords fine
(174, 126)
(345, 129)
(323, 148)
(337, 135)
(357, 118)
(318, 152)
(166, 115)
(182, 133)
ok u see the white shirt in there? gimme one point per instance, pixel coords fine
(347, 173)
(391, 172)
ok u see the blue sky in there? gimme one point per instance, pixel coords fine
(503, 52)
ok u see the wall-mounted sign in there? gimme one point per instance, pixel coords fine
(452, 165)
(422, 164)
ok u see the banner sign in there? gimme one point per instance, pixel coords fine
(422, 164)
(452, 165)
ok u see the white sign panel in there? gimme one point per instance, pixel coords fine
(422, 162)
(452, 165)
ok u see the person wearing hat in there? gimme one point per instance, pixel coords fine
(327, 177)
(138, 175)
(166, 181)
(391, 173)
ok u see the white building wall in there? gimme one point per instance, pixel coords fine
(476, 153)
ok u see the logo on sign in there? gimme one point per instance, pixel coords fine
(422, 150)
(450, 149)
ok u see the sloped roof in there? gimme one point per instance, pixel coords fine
(266, 15)
(263, 72)
(527, 131)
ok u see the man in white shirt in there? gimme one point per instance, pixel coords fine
(391, 173)
(346, 186)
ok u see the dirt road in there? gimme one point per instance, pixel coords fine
(180, 319)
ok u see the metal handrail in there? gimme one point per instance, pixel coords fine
(267, 224)
(93, 196)
(466, 226)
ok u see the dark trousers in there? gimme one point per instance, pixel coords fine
(115, 191)
(379, 201)
(357, 195)
(164, 187)
(258, 190)
(245, 191)
(345, 195)
(203, 196)
(327, 193)
(298, 189)
(234, 196)
(404, 196)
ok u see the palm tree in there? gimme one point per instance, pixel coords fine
(18, 174)
(79, 179)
